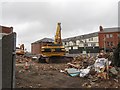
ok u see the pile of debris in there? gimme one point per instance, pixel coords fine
(82, 61)
(24, 62)
(98, 67)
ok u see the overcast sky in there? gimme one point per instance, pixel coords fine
(36, 20)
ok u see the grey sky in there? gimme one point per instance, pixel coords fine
(35, 20)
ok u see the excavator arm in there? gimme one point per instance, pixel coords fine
(58, 35)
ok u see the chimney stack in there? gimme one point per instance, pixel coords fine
(101, 28)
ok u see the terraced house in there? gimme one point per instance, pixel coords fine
(78, 44)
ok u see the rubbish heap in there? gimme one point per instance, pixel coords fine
(98, 67)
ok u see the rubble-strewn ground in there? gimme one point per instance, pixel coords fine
(43, 75)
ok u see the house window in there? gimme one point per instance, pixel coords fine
(111, 43)
(107, 43)
(69, 48)
(89, 44)
(81, 45)
(93, 44)
(70, 43)
(77, 42)
(75, 47)
(90, 39)
(85, 44)
(107, 35)
(74, 43)
(111, 35)
(65, 43)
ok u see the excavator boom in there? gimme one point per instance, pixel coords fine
(58, 35)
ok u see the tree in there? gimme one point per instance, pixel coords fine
(116, 61)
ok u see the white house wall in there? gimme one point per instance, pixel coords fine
(81, 45)
(97, 44)
(93, 41)
(71, 43)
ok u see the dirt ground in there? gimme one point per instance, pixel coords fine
(43, 75)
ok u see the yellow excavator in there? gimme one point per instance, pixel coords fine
(20, 50)
(54, 50)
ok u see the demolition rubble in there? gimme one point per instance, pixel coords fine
(84, 71)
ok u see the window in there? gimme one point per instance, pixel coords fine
(107, 35)
(81, 45)
(111, 35)
(65, 43)
(90, 39)
(111, 43)
(75, 47)
(69, 48)
(107, 43)
(74, 43)
(70, 43)
(93, 45)
(77, 42)
(89, 44)
(85, 44)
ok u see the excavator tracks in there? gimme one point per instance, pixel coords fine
(57, 59)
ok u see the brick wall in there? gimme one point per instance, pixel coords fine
(4, 29)
(104, 42)
(36, 47)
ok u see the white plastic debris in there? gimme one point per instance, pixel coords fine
(100, 63)
(34, 57)
(84, 72)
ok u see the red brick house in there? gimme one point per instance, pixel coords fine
(36, 46)
(109, 37)
(7, 30)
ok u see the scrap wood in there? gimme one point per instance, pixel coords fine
(73, 65)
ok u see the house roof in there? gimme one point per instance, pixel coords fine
(44, 40)
(85, 36)
(114, 29)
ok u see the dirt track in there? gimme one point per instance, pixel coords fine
(49, 76)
